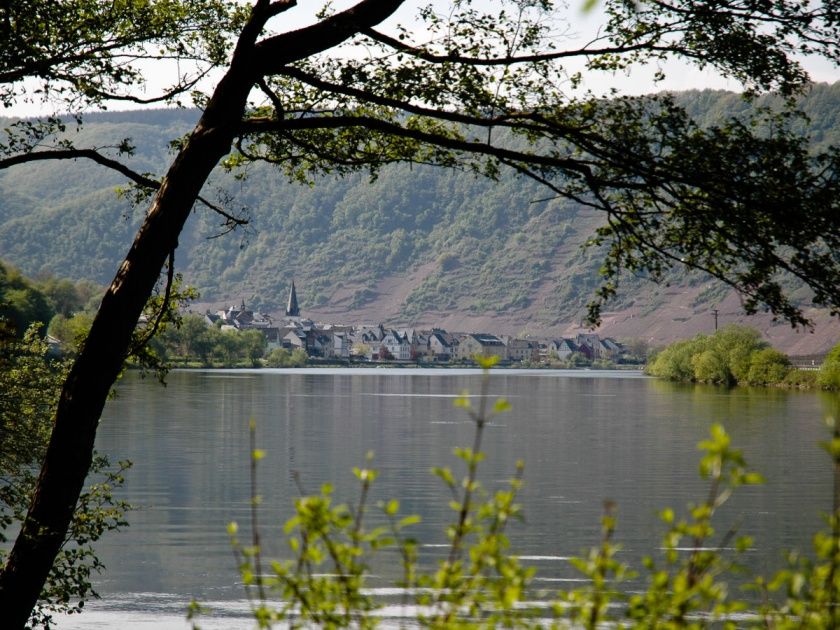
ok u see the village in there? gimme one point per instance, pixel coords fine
(378, 343)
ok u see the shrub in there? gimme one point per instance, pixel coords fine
(282, 358)
(674, 362)
(829, 374)
(768, 366)
(30, 382)
(710, 367)
(732, 355)
(801, 379)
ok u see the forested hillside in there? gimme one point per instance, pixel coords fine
(415, 245)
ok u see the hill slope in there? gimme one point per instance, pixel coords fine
(416, 246)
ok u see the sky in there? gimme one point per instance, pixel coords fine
(583, 27)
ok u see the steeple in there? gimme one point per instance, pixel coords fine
(292, 308)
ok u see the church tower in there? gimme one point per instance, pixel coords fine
(292, 308)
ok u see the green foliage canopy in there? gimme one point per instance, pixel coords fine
(732, 355)
(83, 51)
(192, 340)
(282, 358)
(70, 331)
(21, 303)
(829, 374)
(30, 379)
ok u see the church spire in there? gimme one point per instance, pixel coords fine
(292, 308)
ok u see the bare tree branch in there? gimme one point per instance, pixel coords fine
(510, 60)
(75, 154)
(164, 307)
(92, 154)
(259, 125)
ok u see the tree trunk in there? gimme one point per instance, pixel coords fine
(94, 372)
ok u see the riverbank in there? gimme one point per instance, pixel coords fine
(356, 364)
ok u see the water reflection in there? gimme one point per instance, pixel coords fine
(584, 436)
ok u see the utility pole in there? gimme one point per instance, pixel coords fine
(715, 313)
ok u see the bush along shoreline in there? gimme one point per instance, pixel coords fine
(736, 355)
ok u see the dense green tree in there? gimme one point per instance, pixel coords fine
(227, 346)
(194, 339)
(710, 367)
(191, 339)
(62, 296)
(25, 306)
(282, 358)
(736, 345)
(742, 201)
(30, 380)
(253, 344)
(829, 374)
(21, 303)
(674, 362)
(732, 355)
(71, 331)
(67, 297)
(278, 358)
(768, 366)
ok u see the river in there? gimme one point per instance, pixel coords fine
(585, 436)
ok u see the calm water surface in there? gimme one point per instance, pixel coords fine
(585, 436)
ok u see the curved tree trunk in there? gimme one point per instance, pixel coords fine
(94, 372)
(85, 391)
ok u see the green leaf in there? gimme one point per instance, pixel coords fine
(463, 401)
(445, 474)
(753, 479)
(409, 520)
(501, 406)
(589, 6)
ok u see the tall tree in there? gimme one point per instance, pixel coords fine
(484, 90)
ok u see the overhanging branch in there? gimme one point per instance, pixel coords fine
(76, 154)
(141, 180)
(260, 125)
(510, 60)
(272, 54)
